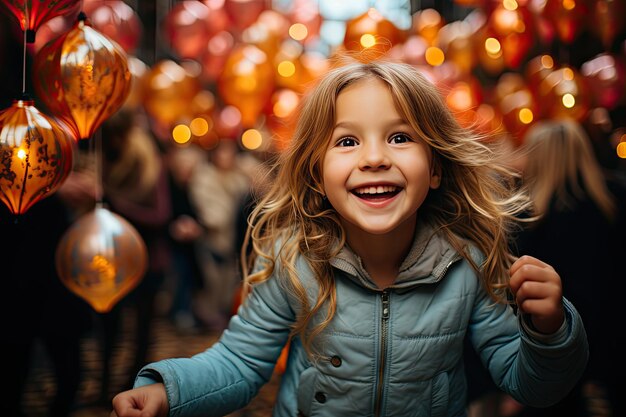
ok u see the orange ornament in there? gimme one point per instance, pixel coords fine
(372, 34)
(35, 156)
(247, 82)
(82, 77)
(100, 258)
(168, 90)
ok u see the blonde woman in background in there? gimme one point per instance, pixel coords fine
(580, 232)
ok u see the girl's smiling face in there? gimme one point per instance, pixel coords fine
(376, 170)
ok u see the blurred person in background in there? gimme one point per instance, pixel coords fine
(217, 187)
(580, 231)
(184, 234)
(135, 184)
(37, 310)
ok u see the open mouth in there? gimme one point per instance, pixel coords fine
(376, 192)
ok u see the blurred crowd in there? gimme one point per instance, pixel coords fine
(187, 203)
(190, 205)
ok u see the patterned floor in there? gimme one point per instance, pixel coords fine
(167, 342)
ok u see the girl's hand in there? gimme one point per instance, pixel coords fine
(538, 292)
(146, 401)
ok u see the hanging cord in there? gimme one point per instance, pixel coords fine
(26, 23)
(99, 189)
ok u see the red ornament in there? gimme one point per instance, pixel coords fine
(568, 17)
(513, 28)
(244, 13)
(35, 156)
(606, 75)
(116, 20)
(607, 19)
(188, 28)
(32, 14)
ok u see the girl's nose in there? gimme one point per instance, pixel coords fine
(374, 156)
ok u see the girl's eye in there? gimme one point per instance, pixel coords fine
(400, 138)
(347, 141)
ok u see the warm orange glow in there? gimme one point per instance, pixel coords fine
(568, 100)
(569, 4)
(525, 116)
(298, 31)
(286, 103)
(181, 134)
(621, 150)
(286, 69)
(199, 126)
(368, 40)
(547, 61)
(251, 139)
(493, 47)
(510, 4)
(434, 56)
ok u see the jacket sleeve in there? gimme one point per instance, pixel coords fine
(228, 375)
(535, 371)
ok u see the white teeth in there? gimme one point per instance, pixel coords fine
(376, 189)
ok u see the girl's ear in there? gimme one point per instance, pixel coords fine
(435, 174)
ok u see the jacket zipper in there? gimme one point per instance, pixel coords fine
(383, 352)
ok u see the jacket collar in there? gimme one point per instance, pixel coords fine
(427, 262)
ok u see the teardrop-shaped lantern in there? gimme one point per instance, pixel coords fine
(247, 82)
(82, 77)
(32, 14)
(35, 156)
(100, 258)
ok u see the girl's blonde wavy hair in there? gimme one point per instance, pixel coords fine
(475, 202)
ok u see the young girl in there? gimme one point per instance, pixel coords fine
(383, 241)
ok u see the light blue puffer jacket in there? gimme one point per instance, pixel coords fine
(388, 353)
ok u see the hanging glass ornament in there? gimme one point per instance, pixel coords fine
(82, 77)
(101, 258)
(35, 155)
